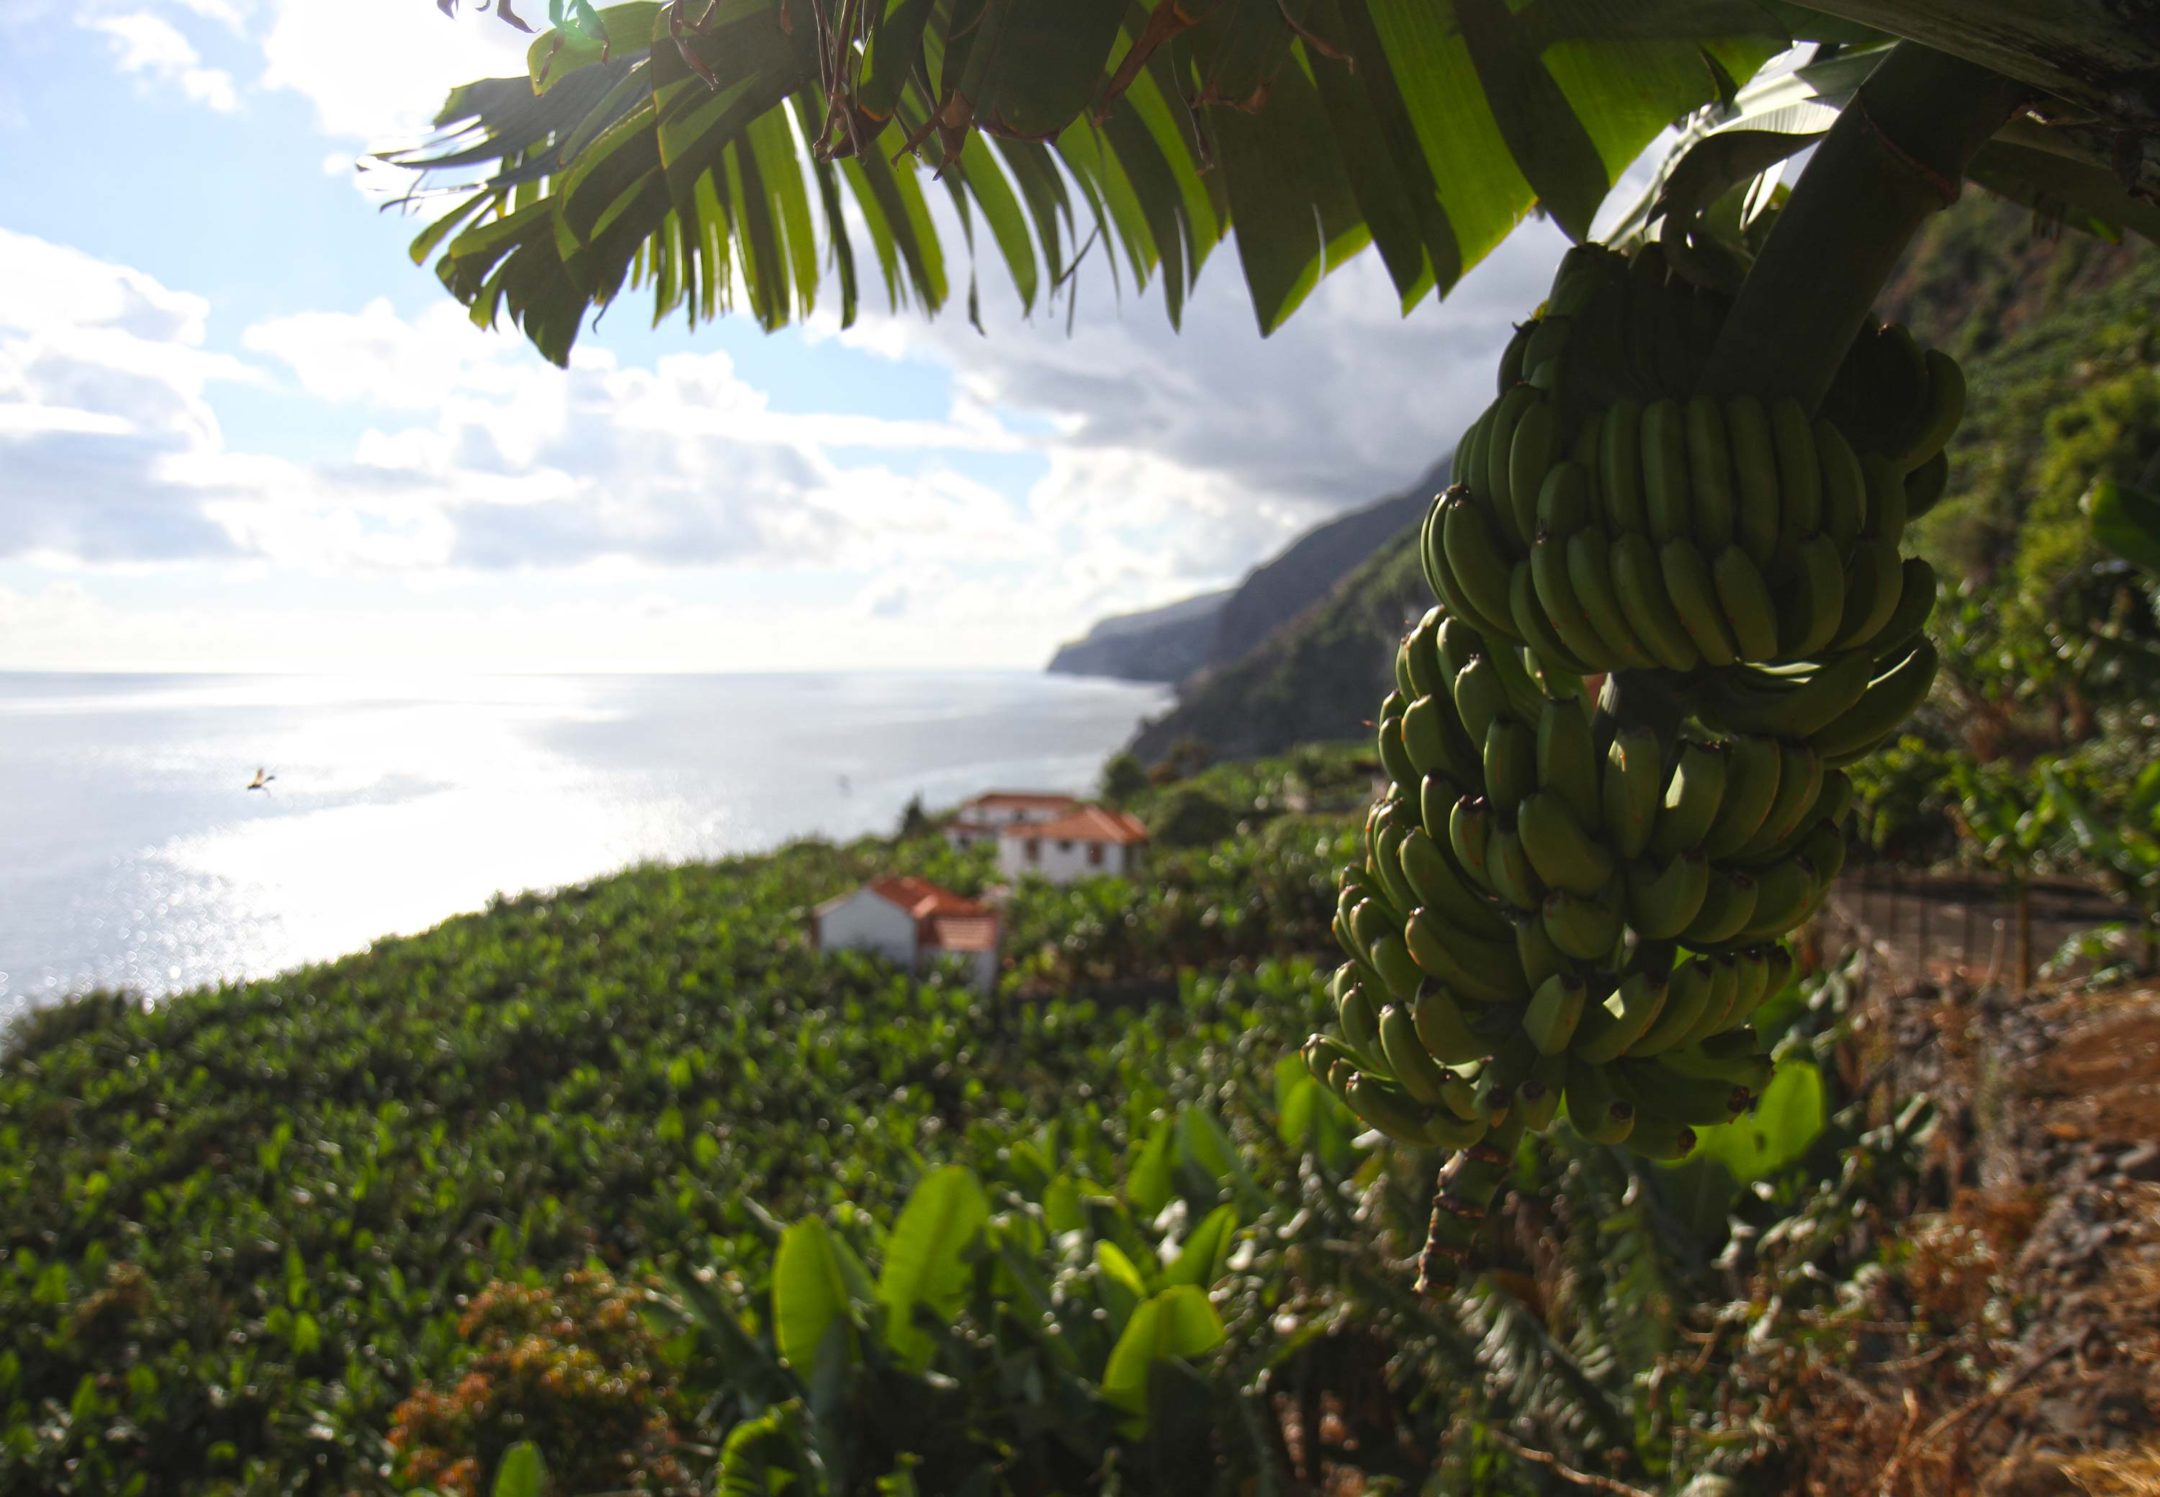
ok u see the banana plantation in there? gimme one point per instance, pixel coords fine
(1519, 1100)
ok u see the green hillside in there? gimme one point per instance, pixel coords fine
(528, 1178)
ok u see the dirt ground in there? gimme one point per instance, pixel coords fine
(2010, 1344)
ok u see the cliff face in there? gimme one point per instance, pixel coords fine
(1278, 590)
(1157, 644)
(1315, 679)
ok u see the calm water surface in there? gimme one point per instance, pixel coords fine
(130, 853)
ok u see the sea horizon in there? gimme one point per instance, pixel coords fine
(134, 855)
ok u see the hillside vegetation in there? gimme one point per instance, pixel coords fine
(530, 1177)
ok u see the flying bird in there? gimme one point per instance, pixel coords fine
(261, 781)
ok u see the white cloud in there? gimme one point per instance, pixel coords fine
(151, 45)
(378, 79)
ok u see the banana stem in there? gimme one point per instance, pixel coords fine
(1897, 154)
(1461, 1196)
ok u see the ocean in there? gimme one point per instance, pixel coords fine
(132, 853)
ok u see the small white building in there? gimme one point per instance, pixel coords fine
(1086, 842)
(983, 818)
(913, 923)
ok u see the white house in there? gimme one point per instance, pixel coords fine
(912, 923)
(1084, 842)
(983, 818)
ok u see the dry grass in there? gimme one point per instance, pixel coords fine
(2131, 1473)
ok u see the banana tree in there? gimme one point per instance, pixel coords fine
(2118, 836)
(1673, 604)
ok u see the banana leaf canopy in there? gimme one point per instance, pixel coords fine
(705, 151)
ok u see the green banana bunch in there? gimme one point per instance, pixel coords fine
(1666, 621)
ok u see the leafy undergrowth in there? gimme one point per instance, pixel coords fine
(632, 1176)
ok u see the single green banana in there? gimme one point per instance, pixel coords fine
(1661, 1095)
(1407, 1060)
(1835, 802)
(1510, 762)
(1436, 883)
(1584, 928)
(1423, 647)
(1691, 800)
(1475, 562)
(1694, 597)
(1886, 502)
(1436, 797)
(1480, 699)
(1823, 845)
(1391, 959)
(1384, 842)
(1548, 340)
(1916, 601)
(1590, 571)
(1567, 761)
(1511, 358)
(1724, 990)
(1725, 912)
(1469, 827)
(1359, 1018)
(1524, 698)
(1709, 458)
(1752, 984)
(1733, 1057)
(1782, 892)
(1945, 408)
(1531, 455)
(1531, 621)
(1844, 486)
(1609, 1030)
(1390, 1110)
(1500, 450)
(1925, 486)
(1639, 580)
(1799, 473)
(1631, 789)
(1597, 1112)
(1743, 596)
(1567, 620)
(1756, 513)
(1394, 754)
(1751, 785)
(1457, 643)
(1470, 972)
(1475, 448)
(1667, 503)
(1434, 739)
(1563, 501)
(1620, 485)
(1443, 1029)
(1322, 1053)
(1811, 605)
(1509, 869)
(1661, 1140)
(1661, 902)
(1535, 952)
(1790, 711)
(1555, 1009)
(1537, 1103)
(1874, 581)
(1556, 845)
(1405, 686)
(1688, 994)
(1882, 708)
(1800, 780)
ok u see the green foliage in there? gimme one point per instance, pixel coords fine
(704, 149)
(1123, 779)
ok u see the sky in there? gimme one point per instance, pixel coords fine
(241, 430)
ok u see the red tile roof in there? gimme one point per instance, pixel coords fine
(1024, 798)
(1087, 824)
(923, 899)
